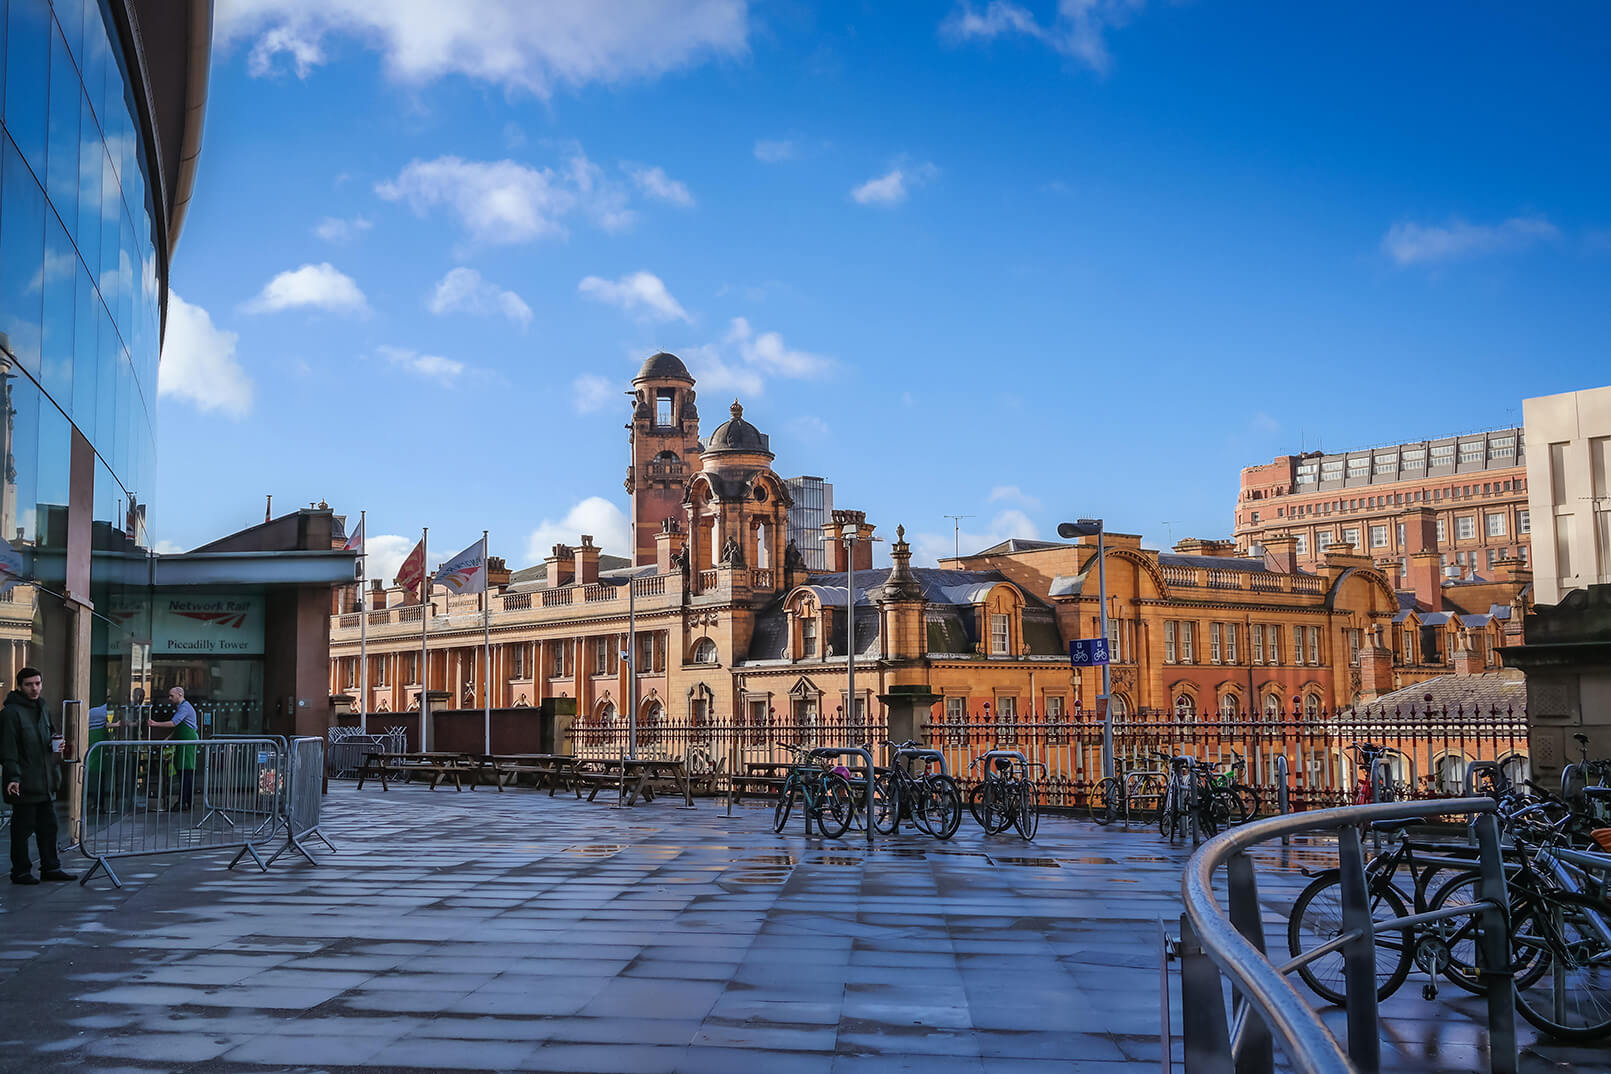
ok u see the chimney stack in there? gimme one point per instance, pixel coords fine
(587, 562)
(833, 533)
(1280, 553)
(561, 565)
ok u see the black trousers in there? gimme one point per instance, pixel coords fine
(37, 819)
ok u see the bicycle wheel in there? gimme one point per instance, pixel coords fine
(976, 803)
(1228, 807)
(886, 804)
(999, 807)
(942, 805)
(785, 804)
(1027, 820)
(1317, 919)
(1250, 799)
(1106, 800)
(1166, 811)
(1569, 997)
(834, 806)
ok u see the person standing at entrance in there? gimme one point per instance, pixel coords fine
(29, 771)
(184, 757)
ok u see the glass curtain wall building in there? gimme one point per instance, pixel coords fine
(101, 103)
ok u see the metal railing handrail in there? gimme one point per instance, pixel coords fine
(1303, 1035)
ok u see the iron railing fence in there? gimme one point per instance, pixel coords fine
(346, 746)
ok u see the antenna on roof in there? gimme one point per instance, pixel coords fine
(1171, 523)
(956, 534)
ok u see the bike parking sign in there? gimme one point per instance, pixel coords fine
(1089, 652)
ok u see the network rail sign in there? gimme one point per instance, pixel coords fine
(207, 626)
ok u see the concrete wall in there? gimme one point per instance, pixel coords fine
(1569, 490)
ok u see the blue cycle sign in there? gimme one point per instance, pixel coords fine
(1088, 653)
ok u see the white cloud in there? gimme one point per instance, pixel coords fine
(335, 229)
(503, 202)
(198, 363)
(893, 186)
(384, 553)
(603, 520)
(642, 294)
(768, 351)
(774, 150)
(717, 375)
(430, 366)
(166, 547)
(463, 290)
(1264, 423)
(320, 287)
(1013, 494)
(655, 183)
(928, 548)
(1409, 243)
(1078, 30)
(593, 393)
(515, 44)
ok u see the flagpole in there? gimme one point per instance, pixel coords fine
(486, 628)
(363, 627)
(425, 652)
(632, 666)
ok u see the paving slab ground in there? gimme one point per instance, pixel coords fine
(480, 931)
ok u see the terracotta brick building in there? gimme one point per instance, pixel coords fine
(727, 623)
(1475, 485)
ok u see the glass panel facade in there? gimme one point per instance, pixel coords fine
(79, 339)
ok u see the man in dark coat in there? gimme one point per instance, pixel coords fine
(29, 769)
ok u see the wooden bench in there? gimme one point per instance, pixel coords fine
(441, 766)
(550, 769)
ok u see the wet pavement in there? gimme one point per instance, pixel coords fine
(481, 931)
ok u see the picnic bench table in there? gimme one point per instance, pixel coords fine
(555, 770)
(769, 775)
(634, 778)
(381, 764)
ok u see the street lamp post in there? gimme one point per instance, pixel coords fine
(852, 534)
(1084, 528)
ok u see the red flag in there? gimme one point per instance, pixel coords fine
(412, 572)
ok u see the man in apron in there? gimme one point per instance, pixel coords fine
(184, 757)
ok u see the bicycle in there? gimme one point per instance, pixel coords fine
(1230, 782)
(932, 801)
(1376, 781)
(824, 795)
(1114, 796)
(1007, 796)
(1188, 798)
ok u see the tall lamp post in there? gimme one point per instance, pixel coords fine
(1085, 527)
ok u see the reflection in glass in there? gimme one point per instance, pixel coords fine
(28, 77)
(86, 357)
(59, 277)
(62, 169)
(22, 250)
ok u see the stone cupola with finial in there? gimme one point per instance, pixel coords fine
(736, 508)
(901, 603)
(664, 437)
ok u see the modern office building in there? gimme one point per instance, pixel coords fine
(101, 103)
(1570, 495)
(811, 510)
(1475, 483)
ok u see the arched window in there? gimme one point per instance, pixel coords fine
(607, 713)
(1227, 706)
(1185, 707)
(1311, 705)
(1118, 706)
(705, 651)
(763, 557)
(1272, 706)
(1451, 772)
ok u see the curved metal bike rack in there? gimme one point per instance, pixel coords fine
(1267, 1008)
(867, 791)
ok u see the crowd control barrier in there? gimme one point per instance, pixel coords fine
(305, 798)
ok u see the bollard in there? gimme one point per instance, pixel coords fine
(1283, 801)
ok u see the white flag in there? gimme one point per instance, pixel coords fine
(467, 571)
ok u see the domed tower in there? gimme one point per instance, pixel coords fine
(737, 508)
(665, 448)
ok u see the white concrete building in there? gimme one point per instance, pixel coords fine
(1569, 490)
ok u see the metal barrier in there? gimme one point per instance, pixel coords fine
(140, 798)
(1267, 1009)
(305, 799)
(345, 750)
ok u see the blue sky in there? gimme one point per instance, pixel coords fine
(1017, 261)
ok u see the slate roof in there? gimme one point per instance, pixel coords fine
(1021, 544)
(536, 576)
(663, 366)
(1503, 690)
(1223, 563)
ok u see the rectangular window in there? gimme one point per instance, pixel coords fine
(808, 637)
(1353, 648)
(352, 672)
(1465, 527)
(1297, 645)
(1275, 645)
(1524, 522)
(517, 661)
(956, 708)
(1187, 656)
(662, 410)
(1401, 535)
(1230, 643)
(411, 669)
(1493, 554)
(1378, 536)
(1007, 706)
(1443, 531)
(601, 656)
(1496, 525)
(1054, 707)
(645, 660)
(998, 635)
(1409, 645)
(1322, 540)
(1169, 641)
(562, 658)
(1314, 645)
(1415, 459)
(1114, 654)
(1215, 642)
(1302, 547)
(1258, 643)
(1503, 447)
(1471, 453)
(1351, 536)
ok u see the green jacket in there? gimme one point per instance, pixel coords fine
(25, 752)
